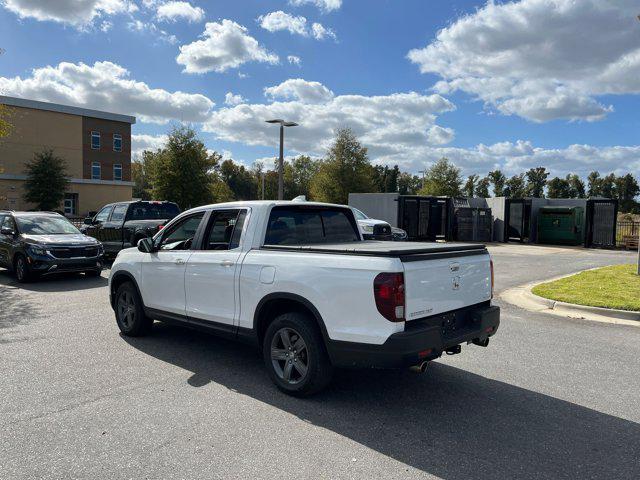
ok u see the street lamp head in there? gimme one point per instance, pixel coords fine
(277, 120)
(290, 124)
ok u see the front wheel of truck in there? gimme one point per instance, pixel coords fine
(295, 355)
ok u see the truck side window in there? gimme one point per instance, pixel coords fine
(180, 236)
(225, 230)
(309, 225)
(119, 213)
(103, 214)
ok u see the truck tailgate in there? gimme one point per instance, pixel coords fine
(437, 285)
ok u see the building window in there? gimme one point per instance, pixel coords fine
(70, 204)
(117, 171)
(95, 171)
(117, 142)
(95, 140)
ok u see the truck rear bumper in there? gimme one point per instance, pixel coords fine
(423, 339)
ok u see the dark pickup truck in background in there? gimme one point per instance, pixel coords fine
(121, 225)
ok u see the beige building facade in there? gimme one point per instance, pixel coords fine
(96, 147)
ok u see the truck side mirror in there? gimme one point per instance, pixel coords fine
(145, 245)
(88, 221)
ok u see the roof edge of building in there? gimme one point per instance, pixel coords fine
(56, 107)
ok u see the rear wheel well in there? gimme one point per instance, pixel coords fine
(275, 307)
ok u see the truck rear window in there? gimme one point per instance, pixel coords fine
(153, 211)
(308, 225)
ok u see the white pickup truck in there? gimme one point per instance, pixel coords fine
(297, 280)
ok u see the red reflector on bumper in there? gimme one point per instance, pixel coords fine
(424, 353)
(488, 330)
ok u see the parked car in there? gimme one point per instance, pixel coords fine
(122, 225)
(34, 244)
(378, 229)
(297, 280)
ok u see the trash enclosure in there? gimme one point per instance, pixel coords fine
(561, 225)
(424, 218)
(471, 224)
(601, 220)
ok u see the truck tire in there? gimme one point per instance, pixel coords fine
(295, 355)
(129, 310)
(21, 269)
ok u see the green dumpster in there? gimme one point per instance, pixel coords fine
(560, 225)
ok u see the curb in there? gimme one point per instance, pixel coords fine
(523, 297)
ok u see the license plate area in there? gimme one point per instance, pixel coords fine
(455, 324)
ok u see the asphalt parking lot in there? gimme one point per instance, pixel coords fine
(550, 397)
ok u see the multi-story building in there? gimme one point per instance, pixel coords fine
(96, 147)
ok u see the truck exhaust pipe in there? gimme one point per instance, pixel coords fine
(419, 368)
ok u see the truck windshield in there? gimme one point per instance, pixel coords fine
(45, 225)
(153, 211)
(309, 225)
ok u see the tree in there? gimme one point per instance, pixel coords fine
(408, 184)
(181, 171)
(482, 187)
(303, 168)
(442, 179)
(345, 170)
(141, 177)
(627, 190)
(515, 187)
(576, 186)
(594, 184)
(5, 126)
(558, 188)
(386, 179)
(46, 181)
(536, 181)
(469, 188)
(240, 180)
(498, 180)
(608, 186)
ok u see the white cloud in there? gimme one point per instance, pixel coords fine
(107, 86)
(294, 60)
(152, 29)
(74, 12)
(296, 25)
(300, 90)
(224, 45)
(233, 99)
(140, 143)
(277, 21)
(389, 125)
(320, 32)
(324, 5)
(438, 135)
(540, 59)
(173, 11)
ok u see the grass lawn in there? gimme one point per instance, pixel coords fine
(610, 287)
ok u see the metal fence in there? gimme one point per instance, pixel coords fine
(77, 221)
(627, 234)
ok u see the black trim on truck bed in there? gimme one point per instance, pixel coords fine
(408, 252)
(430, 334)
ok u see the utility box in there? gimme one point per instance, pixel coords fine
(561, 225)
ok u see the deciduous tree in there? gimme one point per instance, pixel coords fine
(46, 181)
(442, 179)
(536, 181)
(498, 180)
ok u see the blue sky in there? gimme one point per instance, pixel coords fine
(506, 84)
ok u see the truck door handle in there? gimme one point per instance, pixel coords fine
(226, 263)
(179, 261)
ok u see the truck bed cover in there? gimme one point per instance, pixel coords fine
(409, 251)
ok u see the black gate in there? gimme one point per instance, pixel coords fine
(601, 220)
(424, 218)
(517, 225)
(472, 224)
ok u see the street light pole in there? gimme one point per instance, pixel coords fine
(281, 158)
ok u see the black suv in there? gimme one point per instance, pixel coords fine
(42, 243)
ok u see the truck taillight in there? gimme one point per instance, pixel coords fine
(388, 290)
(491, 263)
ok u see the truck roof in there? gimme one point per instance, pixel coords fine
(266, 203)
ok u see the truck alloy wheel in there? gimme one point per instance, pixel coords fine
(289, 356)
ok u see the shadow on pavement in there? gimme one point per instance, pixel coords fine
(447, 422)
(63, 282)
